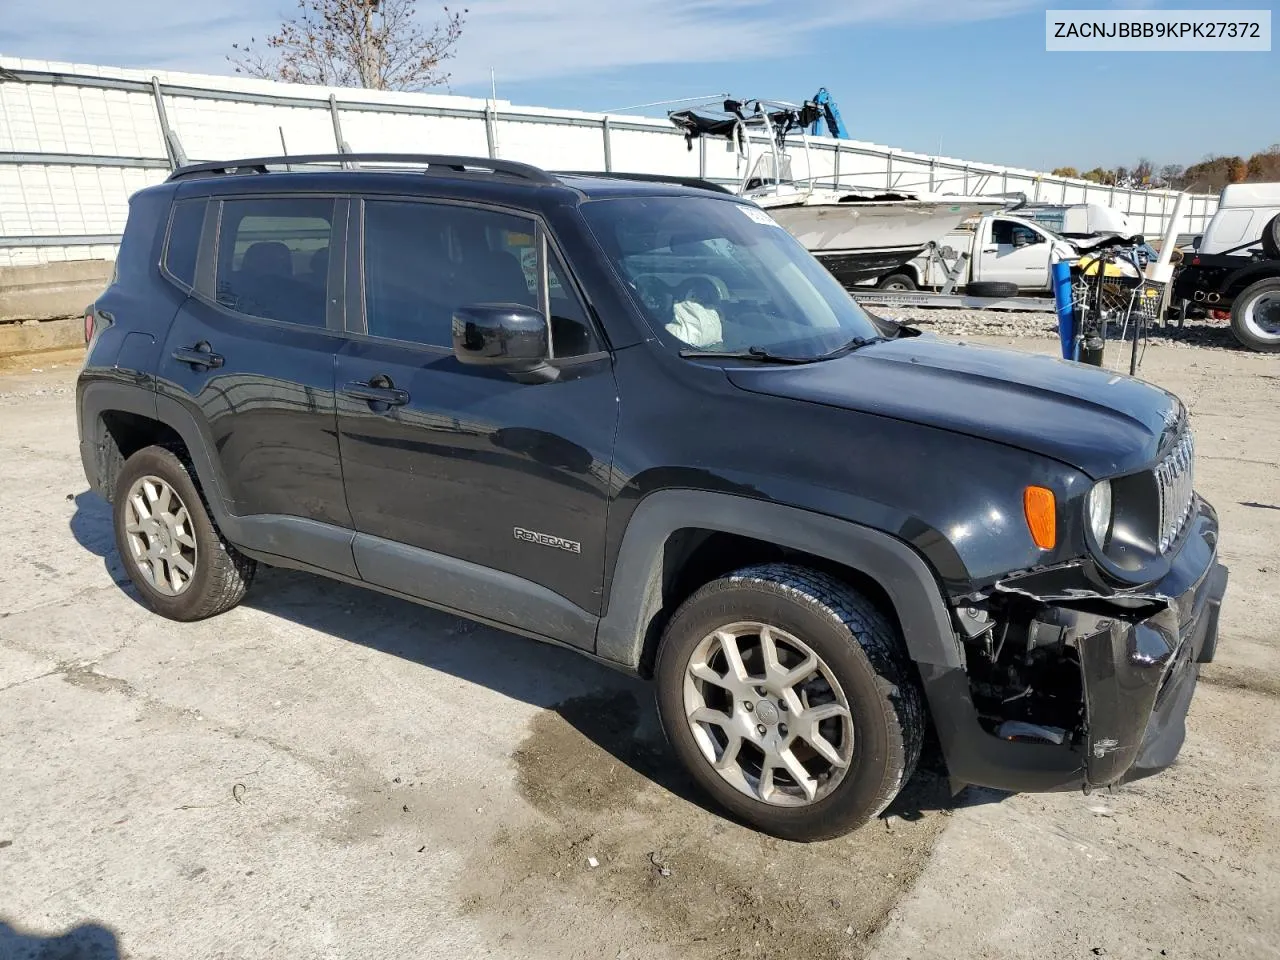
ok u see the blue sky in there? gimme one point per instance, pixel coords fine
(971, 74)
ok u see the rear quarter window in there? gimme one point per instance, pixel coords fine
(183, 244)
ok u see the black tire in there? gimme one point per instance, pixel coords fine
(1244, 323)
(864, 652)
(898, 281)
(222, 574)
(1271, 238)
(991, 288)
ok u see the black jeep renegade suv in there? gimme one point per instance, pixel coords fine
(636, 418)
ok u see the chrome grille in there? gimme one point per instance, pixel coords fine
(1175, 478)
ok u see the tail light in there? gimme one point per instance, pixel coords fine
(90, 321)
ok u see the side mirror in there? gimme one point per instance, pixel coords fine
(507, 335)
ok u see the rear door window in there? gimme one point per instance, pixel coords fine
(273, 257)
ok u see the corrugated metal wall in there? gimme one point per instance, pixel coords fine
(77, 140)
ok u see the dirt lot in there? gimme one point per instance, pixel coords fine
(325, 772)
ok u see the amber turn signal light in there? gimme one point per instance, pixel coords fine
(1040, 509)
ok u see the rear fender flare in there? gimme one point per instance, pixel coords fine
(1237, 282)
(95, 398)
(207, 466)
(635, 597)
(104, 396)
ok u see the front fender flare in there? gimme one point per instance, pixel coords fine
(635, 597)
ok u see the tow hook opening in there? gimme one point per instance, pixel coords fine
(1025, 641)
(1025, 681)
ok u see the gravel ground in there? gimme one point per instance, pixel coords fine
(1020, 325)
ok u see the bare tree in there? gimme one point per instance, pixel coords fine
(355, 43)
(1172, 174)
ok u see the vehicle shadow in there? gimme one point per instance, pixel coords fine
(607, 707)
(611, 709)
(88, 941)
(92, 527)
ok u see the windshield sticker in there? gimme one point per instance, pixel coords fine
(758, 215)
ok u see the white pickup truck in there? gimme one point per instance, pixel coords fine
(1007, 255)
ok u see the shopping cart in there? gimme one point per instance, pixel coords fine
(1111, 299)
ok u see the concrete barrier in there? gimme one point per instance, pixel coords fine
(48, 291)
(35, 337)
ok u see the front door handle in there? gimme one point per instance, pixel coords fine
(374, 392)
(201, 355)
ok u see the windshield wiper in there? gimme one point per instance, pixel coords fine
(751, 353)
(857, 343)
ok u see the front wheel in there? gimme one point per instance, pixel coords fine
(1255, 316)
(791, 700)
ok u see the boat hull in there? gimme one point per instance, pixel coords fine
(859, 241)
(858, 266)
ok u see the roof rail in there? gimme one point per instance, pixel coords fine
(434, 163)
(696, 182)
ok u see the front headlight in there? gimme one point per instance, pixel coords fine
(1098, 508)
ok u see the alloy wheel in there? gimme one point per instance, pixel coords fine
(160, 535)
(768, 714)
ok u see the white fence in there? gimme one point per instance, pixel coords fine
(77, 140)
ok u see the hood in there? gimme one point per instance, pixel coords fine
(1100, 422)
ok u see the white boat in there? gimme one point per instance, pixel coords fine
(856, 233)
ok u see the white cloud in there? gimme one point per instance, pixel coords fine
(139, 33)
(527, 39)
(521, 39)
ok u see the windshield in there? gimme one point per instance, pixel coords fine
(717, 275)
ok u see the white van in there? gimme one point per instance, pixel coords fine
(1244, 209)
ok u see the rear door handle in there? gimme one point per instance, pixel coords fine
(201, 355)
(371, 394)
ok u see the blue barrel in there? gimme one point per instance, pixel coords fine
(1060, 273)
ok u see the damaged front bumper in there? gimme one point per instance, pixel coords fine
(1131, 658)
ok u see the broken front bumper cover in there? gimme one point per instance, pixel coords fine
(1139, 656)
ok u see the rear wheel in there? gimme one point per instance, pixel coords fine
(898, 281)
(1255, 316)
(173, 552)
(790, 699)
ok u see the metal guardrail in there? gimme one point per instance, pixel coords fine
(923, 173)
(83, 160)
(60, 240)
